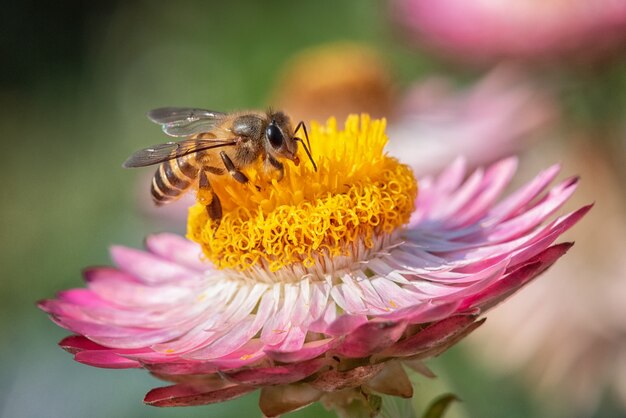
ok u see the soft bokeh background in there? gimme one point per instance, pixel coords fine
(76, 81)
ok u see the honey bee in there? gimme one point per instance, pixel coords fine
(215, 144)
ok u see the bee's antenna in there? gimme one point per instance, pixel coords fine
(308, 153)
(306, 135)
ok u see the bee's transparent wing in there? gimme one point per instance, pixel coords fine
(185, 121)
(159, 153)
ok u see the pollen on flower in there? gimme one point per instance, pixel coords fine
(357, 195)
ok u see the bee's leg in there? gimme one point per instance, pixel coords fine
(274, 163)
(232, 170)
(214, 207)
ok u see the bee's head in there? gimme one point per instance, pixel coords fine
(279, 140)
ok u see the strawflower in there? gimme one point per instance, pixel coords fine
(321, 287)
(537, 30)
(499, 115)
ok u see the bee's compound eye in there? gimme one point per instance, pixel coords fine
(274, 135)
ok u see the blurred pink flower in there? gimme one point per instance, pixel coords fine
(498, 116)
(217, 337)
(496, 29)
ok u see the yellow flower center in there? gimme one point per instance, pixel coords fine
(358, 194)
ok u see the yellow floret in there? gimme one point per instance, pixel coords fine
(357, 193)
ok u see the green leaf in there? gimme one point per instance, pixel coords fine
(439, 406)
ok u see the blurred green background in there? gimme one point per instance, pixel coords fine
(77, 80)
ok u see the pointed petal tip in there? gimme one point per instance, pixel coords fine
(75, 343)
(392, 380)
(43, 304)
(90, 273)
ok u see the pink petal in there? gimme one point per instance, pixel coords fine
(293, 341)
(370, 338)
(277, 375)
(308, 351)
(345, 324)
(182, 368)
(432, 336)
(175, 248)
(518, 199)
(185, 395)
(424, 312)
(151, 269)
(495, 180)
(511, 283)
(75, 343)
(118, 287)
(106, 359)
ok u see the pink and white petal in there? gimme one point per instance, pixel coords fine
(382, 267)
(293, 342)
(250, 353)
(446, 209)
(276, 328)
(225, 342)
(511, 205)
(309, 350)
(319, 298)
(344, 324)
(371, 298)
(329, 316)
(412, 259)
(302, 310)
(177, 249)
(528, 220)
(396, 297)
(208, 324)
(115, 286)
(124, 338)
(495, 180)
(509, 284)
(494, 273)
(151, 269)
(424, 312)
(238, 335)
(345, 298)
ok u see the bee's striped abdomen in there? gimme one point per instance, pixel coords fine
(173, 178)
